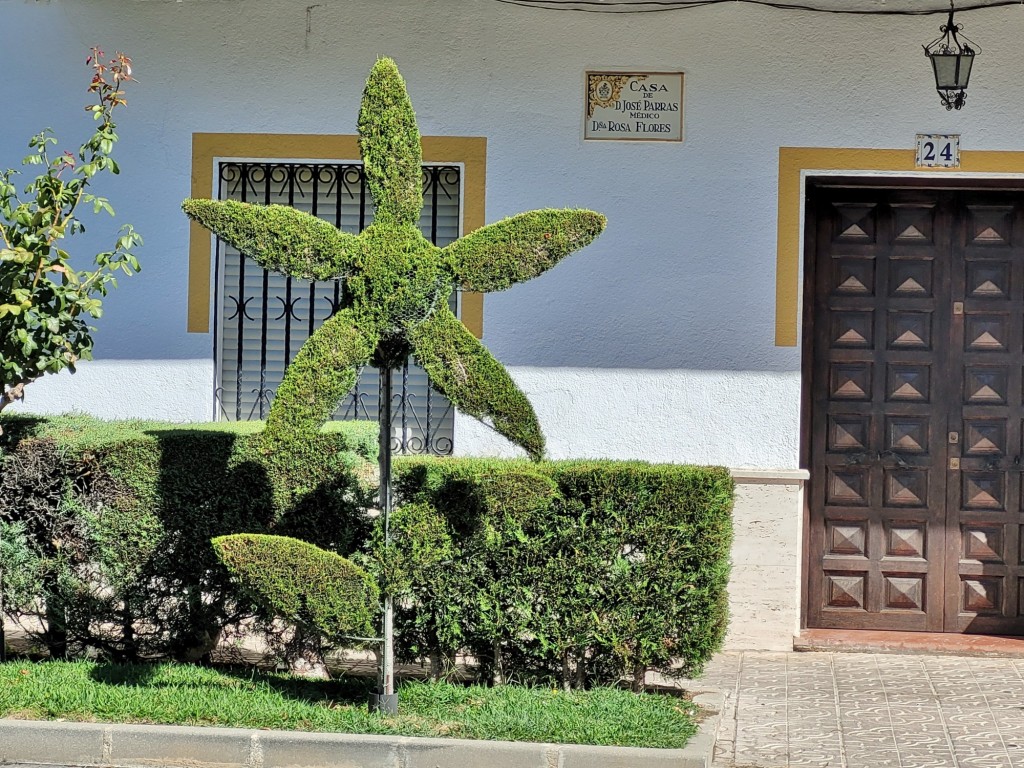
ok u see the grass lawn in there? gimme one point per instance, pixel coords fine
(190, 695)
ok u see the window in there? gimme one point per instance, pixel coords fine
(212, 152)
(262, 318)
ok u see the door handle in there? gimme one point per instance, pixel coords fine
(998, 464)
(900, 461)
(856, 459)
(860, 458)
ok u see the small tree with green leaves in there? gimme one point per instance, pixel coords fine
(46, 301)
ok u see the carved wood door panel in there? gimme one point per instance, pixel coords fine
(984, 501)
(878, 413)
(916, 440)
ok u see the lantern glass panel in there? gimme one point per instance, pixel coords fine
(952, 70)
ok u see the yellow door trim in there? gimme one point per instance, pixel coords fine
(470, 151)
(794, 162)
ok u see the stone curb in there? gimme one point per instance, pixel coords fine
(93, 744)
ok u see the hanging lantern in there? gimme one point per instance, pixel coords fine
(952, 55)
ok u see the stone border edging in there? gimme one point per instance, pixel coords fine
(93, 744)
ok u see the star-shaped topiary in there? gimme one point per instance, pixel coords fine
(397, 281)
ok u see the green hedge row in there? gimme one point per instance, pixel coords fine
(112, 522)
(573, 571)
(578, 572)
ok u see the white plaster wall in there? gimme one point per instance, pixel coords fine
(658, 340)
(653, 415)
(163, 390)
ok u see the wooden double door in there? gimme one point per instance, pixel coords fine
(916, 409)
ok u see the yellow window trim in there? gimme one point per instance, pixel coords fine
(470, 151)
(795, 161)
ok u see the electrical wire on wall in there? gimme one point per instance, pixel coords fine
(848, 7)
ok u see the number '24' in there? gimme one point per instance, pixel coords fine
(946, 152)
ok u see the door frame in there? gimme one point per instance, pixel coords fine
(805, 268)
(796, 164)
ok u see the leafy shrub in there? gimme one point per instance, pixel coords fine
(580, 572)
(119, 516)
(577, 571)
(46, 301)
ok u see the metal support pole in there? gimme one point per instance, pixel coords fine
(3, 636)
(385, 700)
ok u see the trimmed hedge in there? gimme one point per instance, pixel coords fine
(118, 518)
(580, 572)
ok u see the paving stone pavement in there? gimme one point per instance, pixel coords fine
(852, 710)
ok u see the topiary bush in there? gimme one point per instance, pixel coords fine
(118, 518)
(397, 289)
(318, 590)
(579, 572)
(397, 283)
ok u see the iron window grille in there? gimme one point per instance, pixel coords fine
(263, 318)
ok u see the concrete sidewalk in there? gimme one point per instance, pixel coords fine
(849, 710)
